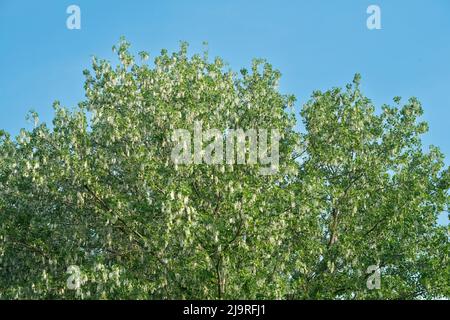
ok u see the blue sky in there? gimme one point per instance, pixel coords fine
(316, 44)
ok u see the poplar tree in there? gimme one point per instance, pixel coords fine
(92, 207)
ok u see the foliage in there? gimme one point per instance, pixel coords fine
(97, 190)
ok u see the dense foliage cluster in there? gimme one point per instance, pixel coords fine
(97, 191)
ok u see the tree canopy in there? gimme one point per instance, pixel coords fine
(97, 192)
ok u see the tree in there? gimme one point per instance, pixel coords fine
(93, 207)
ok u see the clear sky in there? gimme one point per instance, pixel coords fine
(316, 44)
